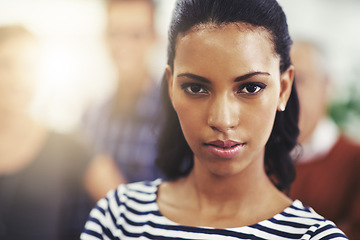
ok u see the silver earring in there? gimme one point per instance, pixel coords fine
(282, 107)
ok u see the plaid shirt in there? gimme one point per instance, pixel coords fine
(130, 140)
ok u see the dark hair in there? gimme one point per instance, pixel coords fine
(175, 157)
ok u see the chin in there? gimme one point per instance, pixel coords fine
(227, 168)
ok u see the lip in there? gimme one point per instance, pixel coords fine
(225, 149)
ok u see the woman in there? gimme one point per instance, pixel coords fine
(226, 143)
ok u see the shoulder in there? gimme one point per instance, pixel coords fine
(139, 192)
(349, 152)
(345, 143)
(306, 222)
(128, 205)
(127, 194)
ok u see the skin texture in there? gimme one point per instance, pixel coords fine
(226, 85)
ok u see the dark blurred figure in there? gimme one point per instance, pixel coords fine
(125, 125)
(328, 176)
(42, 193)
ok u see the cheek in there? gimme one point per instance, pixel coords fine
(188, 113)
(261, 121)
(191, 118)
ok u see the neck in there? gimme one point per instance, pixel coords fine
(236, 193)
(220, 189)
(222, 201)
(129, 89)
(133, 81)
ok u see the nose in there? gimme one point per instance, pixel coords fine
(223, 113)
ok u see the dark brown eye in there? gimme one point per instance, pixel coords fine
(252, 88)
(193, 88)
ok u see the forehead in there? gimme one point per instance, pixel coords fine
(232, 46)
(139, 12)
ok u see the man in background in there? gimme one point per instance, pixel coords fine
(124, 126)
(328, 176)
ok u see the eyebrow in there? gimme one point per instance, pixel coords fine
(237, 79)
(249, 75)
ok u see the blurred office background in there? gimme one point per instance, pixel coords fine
(75, 70)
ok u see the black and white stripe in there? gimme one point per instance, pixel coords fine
(131, 212)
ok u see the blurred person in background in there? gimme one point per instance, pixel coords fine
(42, 192)
(328, 176)
(123, 126)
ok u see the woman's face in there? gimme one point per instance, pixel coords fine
(226, 88)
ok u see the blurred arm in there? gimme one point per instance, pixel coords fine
(101, 176)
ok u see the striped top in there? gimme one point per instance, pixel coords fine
(131, 212)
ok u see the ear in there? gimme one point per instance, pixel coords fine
(286, 82)
(169, 79)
